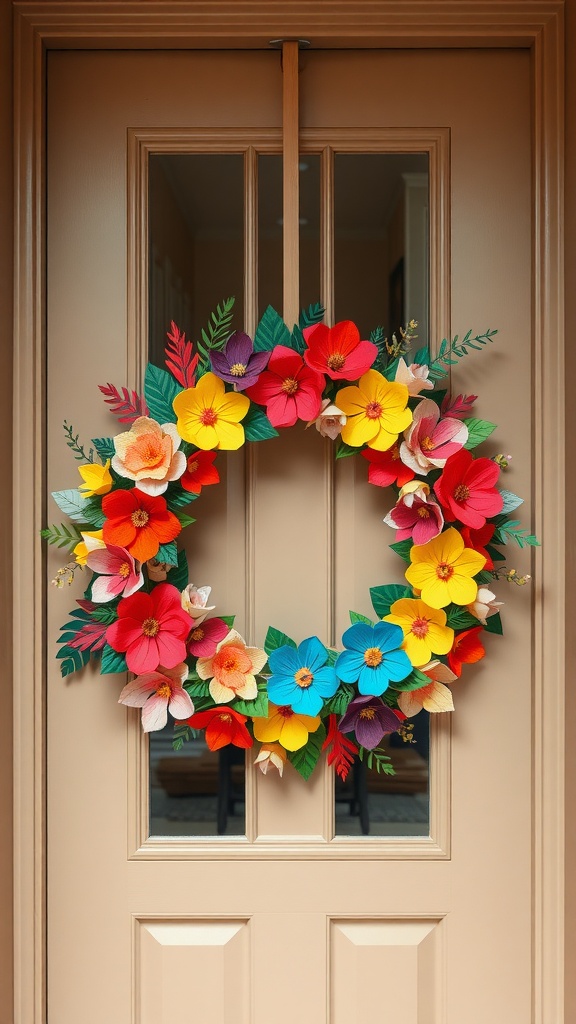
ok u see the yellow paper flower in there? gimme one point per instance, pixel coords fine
(91, 539)
(425, 629)
(443, 569)
(97, 479)
(376, 411)
(283, 724)
(209, 416)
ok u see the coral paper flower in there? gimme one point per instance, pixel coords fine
(370, 719)
(415, 377)
(151, 629)
(232, 669)
(223, 727)
(289, 389)
(415, 514)
(239, 364)
(467, 489)
(376, 411)
(200, 472)
(425, 630)
(373, 657)
(204, 639)
(97, 479)
(337, 351)
(286, 726)
(435, 697)
(430, 441)
(209, 416)
(195, 602)
(158, 693)
(91, 540)
(138, 522)
(148, 453)
(300, 676)
(271, 755)
(387, 467)
(119, 573)
(477, 539)
(443, 570)
(466, 649)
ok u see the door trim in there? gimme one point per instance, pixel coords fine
(41, 26)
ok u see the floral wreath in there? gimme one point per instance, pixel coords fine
(141, 614)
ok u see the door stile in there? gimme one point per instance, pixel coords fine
(290, 159)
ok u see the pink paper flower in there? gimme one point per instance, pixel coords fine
(289, 389)
(151, 628)
(158, 693)
(204, 638)
(429, 441)
(416, 514)
(120, 573)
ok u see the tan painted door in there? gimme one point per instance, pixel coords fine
(291, 923)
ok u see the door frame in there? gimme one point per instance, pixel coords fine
(41, 26)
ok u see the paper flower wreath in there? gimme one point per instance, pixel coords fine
(140, 614)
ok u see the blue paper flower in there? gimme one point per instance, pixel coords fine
(373, 657)
(301, 678)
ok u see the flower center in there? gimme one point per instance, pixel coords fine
(230, 664)
(373, 657)
(139, 517)
(420, 628)
(225, 717)
(368, 713)
(423, 512)
(395, 452)
(192, 465)
(427, 444)
(208, 417)
(290, 386)
(164, 691)
(197, 634)
(150, 451)
(286, 711)
(238, 370)
(304, 678)
(150, 627)
(336, 361)
(124, 570)
(373, 410)
(444, 571)
(461, 493)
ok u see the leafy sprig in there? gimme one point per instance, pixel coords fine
(73, 442)
(377, 759)
(215, 335)
(62, 536)
(512, 530)
(451, 351)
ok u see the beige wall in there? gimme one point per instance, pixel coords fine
(7, 683)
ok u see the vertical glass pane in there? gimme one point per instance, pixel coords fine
(269, 232)
(309, 230)
(196, 226)
(381, 257)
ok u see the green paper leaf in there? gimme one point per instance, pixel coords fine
(297, 340)
(182, 733)
(184, 519)
(460, 618)
(168, 553)
(494, 624)
(160, 390)
(403, 548)
(422, 356)
(306, 759)
(93, 512)
(378, 760)
(313, 314)
(198, 688)
(62, 536)
(332, 657)
(227, 619)
(484, 577)
(511, 529)
(511, 501)
(72, 504)
(357, 617)
(343, 451)
(338, 704)
(105, 447)
(72, 659)
(275, 638)
(176, 497)
(257, 708)
(478, 431)
(383, 597)
(257, 426)
(105, 613)
(216, 334)
(112, 661)
(271, 331)
(415, 681)
(178, 575)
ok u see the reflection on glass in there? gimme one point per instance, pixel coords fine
(269, 232)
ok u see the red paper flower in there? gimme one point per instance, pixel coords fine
(206, 636)
(337, 351)
(476, 539)
(467, 489)
(151, 629)
(199, 472)
(138, 522)
(223, 726)
(387, 467)
(466, 649)
(289, 389)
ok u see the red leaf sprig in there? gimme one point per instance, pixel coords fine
(179, 359)
(127, 406)
(459, 407)
(341, 750)
(92, 635)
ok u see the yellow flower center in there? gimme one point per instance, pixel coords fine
(423, 512)
(395, 452)
(427, 444)
(124, 570)
(225, 717)
(139, 517)
(238, 370)
(197, 634)
(290, 386)
(208, 417)
(304, 678)
(336, 361)
(461, 493)
(150, 627)
(420, 628)
(368, 713)
(192, 465)
(444, 570)
(230, 664)
(285, 711)
(373, 410)
(373, 656)
(164, 691)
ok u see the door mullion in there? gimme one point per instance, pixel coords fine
(291, 204)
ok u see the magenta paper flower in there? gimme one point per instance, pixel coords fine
(429, 441)
(370, 720)
(152, 629)
(416, 514)
(206, 636)
(158, 693)
(120, 573)
(239, 364)
(289, 389)
(467, 490)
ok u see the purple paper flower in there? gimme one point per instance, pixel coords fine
(239, 364)
(369, 719)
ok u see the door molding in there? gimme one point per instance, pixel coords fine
(41, 26)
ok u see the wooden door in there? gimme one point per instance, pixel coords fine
(291, 921)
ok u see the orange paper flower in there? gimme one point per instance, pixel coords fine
(138, 522)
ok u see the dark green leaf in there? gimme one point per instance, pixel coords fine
(383, 597)
(257, 708)
(257, 426)
(227, 619)
(168, 553)
(71, 659)
(459, 617)
(494, 624)
(105, 613)
(178, 576)
(306, 759)
(105, 447)
(312, 315)
(403, 548)
(271, 331)
(338, 704)
(176, 497)
(160, 390)
(343, 451)
(112, 661)
(93, 512)
(275, 638)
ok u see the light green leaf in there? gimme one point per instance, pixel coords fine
(357, 617)
(478, 431)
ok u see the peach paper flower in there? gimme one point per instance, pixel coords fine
(232, 669)
(148, 453)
